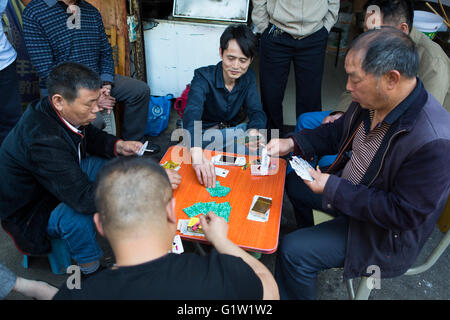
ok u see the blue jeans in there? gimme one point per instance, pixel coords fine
(75, 228)
(229, 141)
(311, 120)
(7, 281)
(305, 252)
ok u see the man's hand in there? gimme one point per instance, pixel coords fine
(214, 227)
(106, 101)
(280, 147)
(128, 148)
(320, 180)
(203, 167)
(174, 178)
(106, 89)
(254, 145)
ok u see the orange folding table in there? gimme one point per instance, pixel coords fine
(248, 234)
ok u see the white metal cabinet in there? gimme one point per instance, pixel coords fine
(174, 49)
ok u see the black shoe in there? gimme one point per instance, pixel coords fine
(152, 149)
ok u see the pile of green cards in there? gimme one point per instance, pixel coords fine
(221, 209)
(218, 191)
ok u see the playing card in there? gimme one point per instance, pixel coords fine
(220, 209)
(183, 227)
(197, 208)
(194, 225)
(301, 167)
(171, 165)
(221, 172)
(218, 191)
(142, 150)
(260, 209)
(256, 170)
(265, 161)
(177, 245)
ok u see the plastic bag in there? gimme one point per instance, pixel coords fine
(158, 114)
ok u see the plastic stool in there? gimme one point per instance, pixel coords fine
(59, 258)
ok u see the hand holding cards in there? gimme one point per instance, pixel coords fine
(301, 167)
(263, 169)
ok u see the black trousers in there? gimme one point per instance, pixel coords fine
(10, 107)
(277, 52)
(135, 94)
(304, 200)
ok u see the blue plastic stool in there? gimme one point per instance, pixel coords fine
(59, 258)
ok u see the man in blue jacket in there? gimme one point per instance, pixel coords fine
(390, 181)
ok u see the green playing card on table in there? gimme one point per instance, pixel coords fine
(218, 191)
(220, 209)
(189, 211)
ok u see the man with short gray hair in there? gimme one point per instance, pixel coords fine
(434, 64)
(390, 181)
(136, 213)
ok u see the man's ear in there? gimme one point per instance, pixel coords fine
(220, 53)
(404, 27)
(170, 210)
(58, 102)
(98, 224)
(392, 79)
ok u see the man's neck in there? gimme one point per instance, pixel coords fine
(404, 90)
(131, 252)
(229, 83)
(69, 2)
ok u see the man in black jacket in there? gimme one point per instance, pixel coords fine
(47, 188)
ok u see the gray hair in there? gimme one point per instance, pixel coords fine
(386, 49)
(69, 77)
(131, 192)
